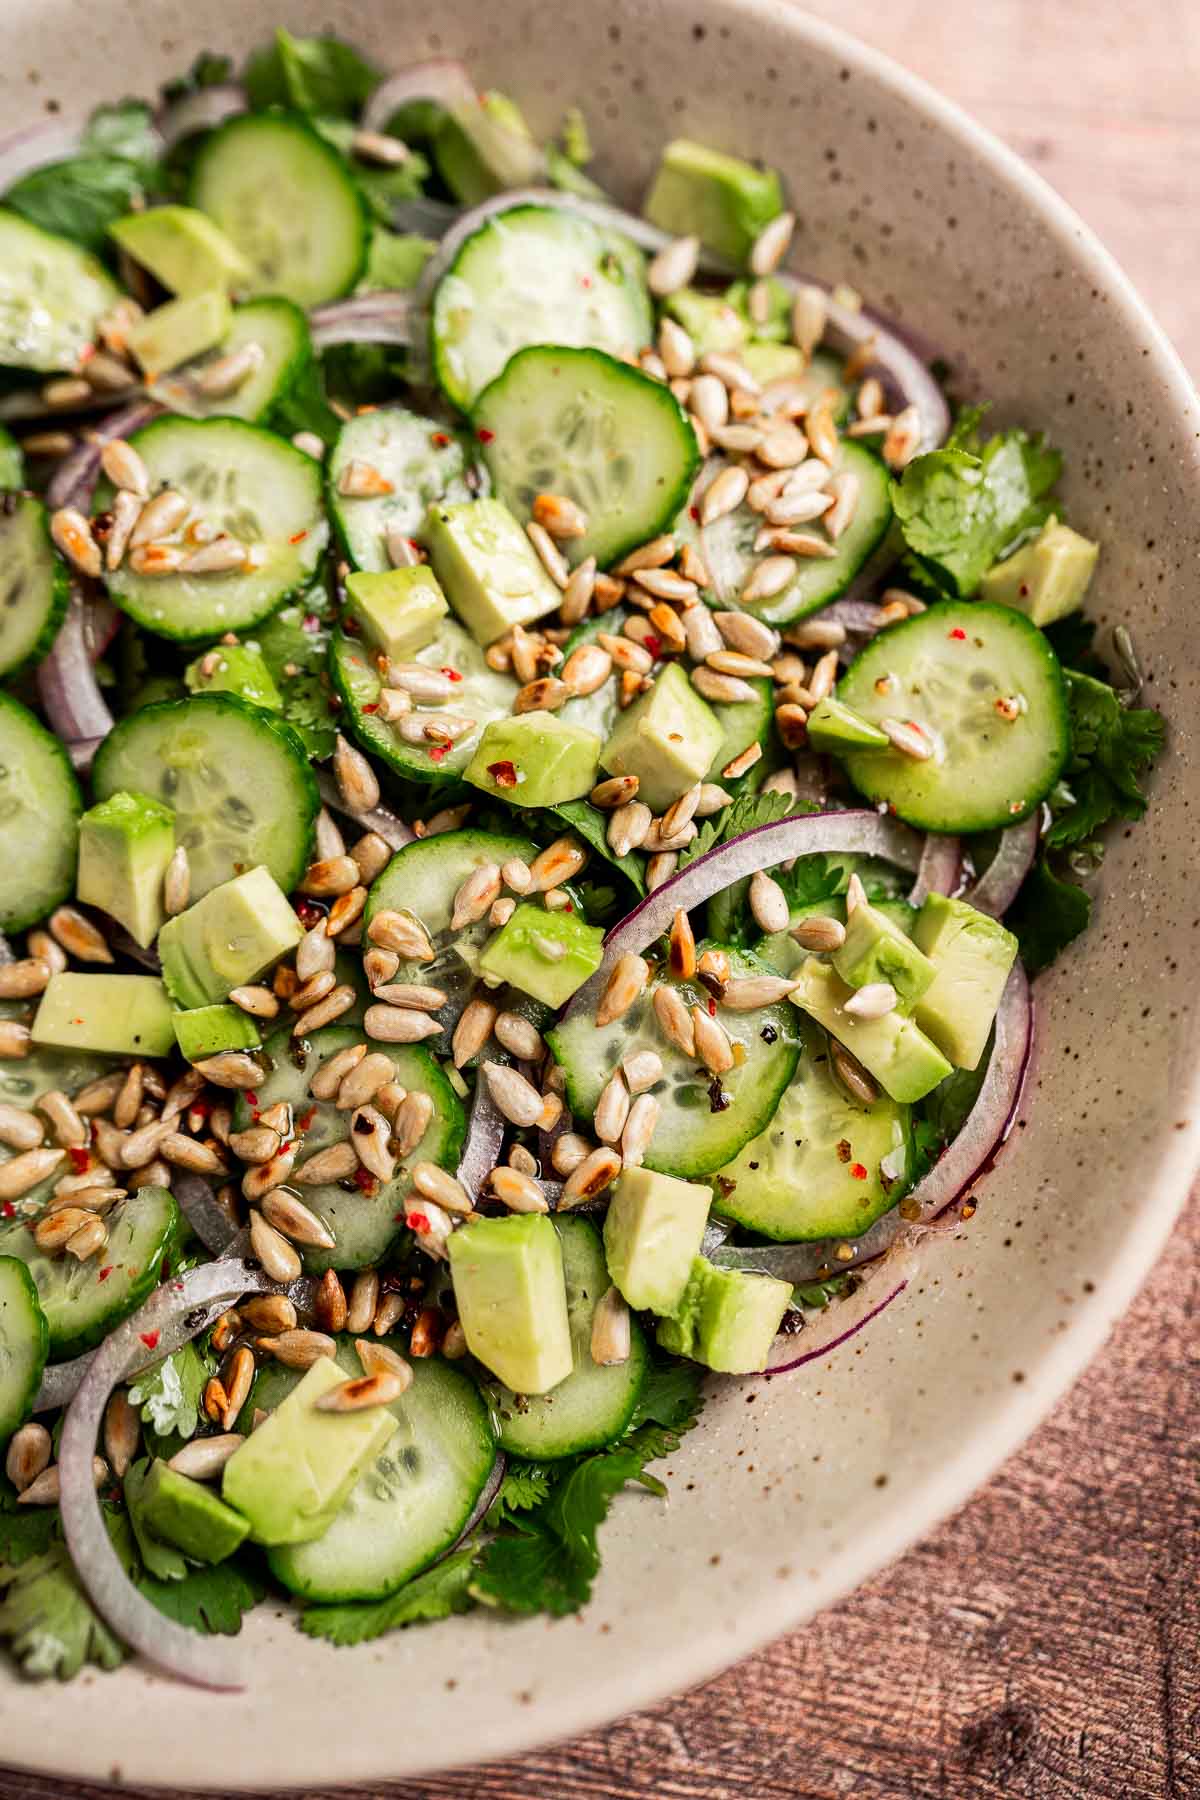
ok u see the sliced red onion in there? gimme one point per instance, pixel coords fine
(878, 1286)
(67, 685)
(998, 886)
(202, 111)
(125, 944)
(387, 316)
(134, 1619)
(74, 481)
(20, 151)
(379, 819)
(482, 1506)
(6, 950)
(101, 623)
(440, 79)
(485, 1136)
(200, 1207)
(427, 218)
(938, 869)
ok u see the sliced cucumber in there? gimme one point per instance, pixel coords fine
(727, 546)
(82, 1301)
(535, 275)
(483, 694)
(33, 583)
(363, 1222)
(413, 1501)
(289, 203)
(581, 423)
(52, 297)
(746, 722)
(423, 460)
(949, 670)
(279, 330)
(704, 1121)
(237, 778)
(825, 1167)
(25, 1077)
(12, 461)
(39, 818)
(595, 1403)
(24, 1344)
(422, 880)
(250, 484)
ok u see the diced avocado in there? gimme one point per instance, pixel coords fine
(398, 610)
(488, 568)
(239, 669)
(972, 955)
(230, 936)
(667, 738)
(207, 1030)
(125, 844)
(180, 330)
(484, 147)
(710, 322)
(395, 260)
(652, 1234)
(720, 199)
(185, 1513)
(182, 248)
(727, 1318)
(291, 1476)
(906, 1064)
(1045, 579)
(876, 949)
(834, 728)
(535, 759)
(511, 1295)
(774, 323)
(545, 954)
(773, 362)
(129, 1015)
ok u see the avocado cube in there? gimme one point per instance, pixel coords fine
(398, 610)
(727, 1318)
(773, 362)
(125, 844)
(545, 954)
(906, 1064)
(185, 1513)
(207, 1030)
(180, 330)
(710, 321)
(835, 728)
(535, 759)
(291, 1477)
(771, 322)
(239, 669)
(182, 248)
(489, 570)
(652, 1234)
(667, 738)
(876, 949)
(127, 1015)
(972, 955)
(720, 199)
(1046, 579)
(484, 147)
(230, 936)
(511, 1295)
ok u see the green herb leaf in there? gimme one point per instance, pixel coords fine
(45, 1615)
(525, 1485)
(163, 1561)
(80, 198)
(126, 130)
(440, 1591)
(1111, 746)
(25, 1531)
(169, 1393)
(742, 814)
(1046, 915)
(318, 75)
(670, 1397)
(592, 826)
(208, 70)
(212, 1598)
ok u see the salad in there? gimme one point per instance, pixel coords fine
(538, 755)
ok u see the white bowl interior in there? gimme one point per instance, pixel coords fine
(794, 1490)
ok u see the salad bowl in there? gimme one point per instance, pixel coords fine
(801, 1485)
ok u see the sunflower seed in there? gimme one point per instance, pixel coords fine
(65, 1123)
(709, 401)
(577, 595)
(25, 1170)
(363, 1301)
(723, 690)
(299, 1349)
(810, 315)
(676, 348)
(220, 557)
(474, 1027)
(43, 948)
(724, 494)
(78, 936)
(852, 1075)
(749, 994)
(639, 1129)
(548, 553)
(440, 1186)
(612, 1330)
(520, 1037)
(375, 1358)
(660, 868)
(515, 1097)
(429, 687)
(475, 896)
(19, 1129)
(329, 876)
(288, 1214)
(736, 662)
(612, 1110)
(329, 1077)
(819, 933)
(364, 1081)
(157, 559)
(674, 1019)
(625, 984)
(873, 1001)
(402, 933)
(72, 533)
(184, 1152)
(314, 953)
(712, 1041)
(329, 1302)
(628, 827)
(370, 1134)
(278, 1258)
(29, 1453)
(816, 634)
(335, 1163)
(666, 584)
(264, 1176)
(360, 480)
(908, 737)
(558, 862)
(903, 438)
(594, 1174)
(257, 1144)
(518, 1191)
(16, 1040)
(259, 1002)
(45, 1489)
(52, 1232)
(651, 363)
(411, 1121)
(768, 578)
(768, 903)
(673, 267)
(656, 553)
(372, 855)
(568, 1152)
(626, 654)
(586, 670)
(356, 780)
(397, 1024)
(312, 990)
(205, 1458)
(771, 245)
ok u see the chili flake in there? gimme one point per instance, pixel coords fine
(81, 1161)
(451, 674)
(504, 774)
(439, 440)
(297, 537)
(365, 1182)
(958, 633)
(653, 644)
(371, 707)
(417, 1222)
(859, 1171)
(150, 1339)
(251, 1099)
(103, 1274)
(439, 751)
(8, 1209)
(484, 435)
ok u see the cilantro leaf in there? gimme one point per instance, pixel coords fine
(525, 1485)
(671, 1397)
(212, 1598)
(310, 75)
(25, 1531)
(1111, 746)
(79, 198)
(45, 1614)
(207, 70)
(1046, 915)
(742, 814)
(169, 1392)
(592, 826)
(440, 1591)
(126, 130)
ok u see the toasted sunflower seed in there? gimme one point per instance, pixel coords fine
(712, 1041)
(298, 1349)
(723, 690)
(440, 1186)
(724, 494)
(19, 1129)
(402, 933)
(626, 983)
(360, 480)
(612, 1109)
(673, 267)
(45, 1489)
(410, 1122)
(558, 862)
(520, 1036)
(768, 578)
(873, 1001)
(204, 1458)
(568, 1152)
(398, 1024)
(768, 903)
(612, 1330)
(560, 516)
(370, 1134)
(639, 1129)
(78, 936)
(674, 1020)
(518, 1191)
(771, 245)
(628, 827)
(288, 1214)
(515, 1097)
(335, 1163)
(907, 737)
(29, 1453)
(660, 868)
(280, 1261)
(590, 1178)
(852, 1075)
(356, 779)
(72, 533)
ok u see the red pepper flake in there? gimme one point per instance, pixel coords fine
(201, 1106)
(484, 435)
(251, 1099)
(417, 1222)
(311, 622)
(365, 1182)
(372, 706)
(712, 1009)
(297, 537)
(585, 281)
(859, 1171)
(308, 914)
(81, 1160)
(958, 633)
(653, 644)
(150, 1339)
(439, 440)
(439, 752)
(8, 1209)
(104, 1273)
(1023, 590)
(694, 514)
(504, 774)
(451, 674)
(306, 1119)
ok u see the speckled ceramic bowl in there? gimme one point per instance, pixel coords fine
(796, 1490)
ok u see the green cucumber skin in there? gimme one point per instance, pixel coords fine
(56, 610)
(15, 1411)
(16, 914)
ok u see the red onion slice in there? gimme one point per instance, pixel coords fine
(998, 886)
(202, 111)
(938, 869)
(482, 1506)
(34, 147)
(199, 1206)
(878, 1286)
(134, 1620)
(387, 316)
(6, 950)
(379, 819)
(74, 481)
(441, 79)
(67, 685)
(485, 1135)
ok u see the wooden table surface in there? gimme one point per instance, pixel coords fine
(1043, 1644)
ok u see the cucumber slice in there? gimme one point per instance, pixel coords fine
(34, 588)
(280, 331)
(39, 818)
(24, 1344)
(237, 778)
(290, 204)
(825, 1167)
(82, 1301)
(249, 483)
(704, 1122)
(947, 670)
(363, 1223)
(12, 461)
(727, 546)
(52, 297)
(422, 880)
(580, 423)
(746, 722)
(595, 1403)
(482, 695)
(424, 461)
(534, 275)
(413, 1501)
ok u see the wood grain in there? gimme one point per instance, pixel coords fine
(1042, 1644)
